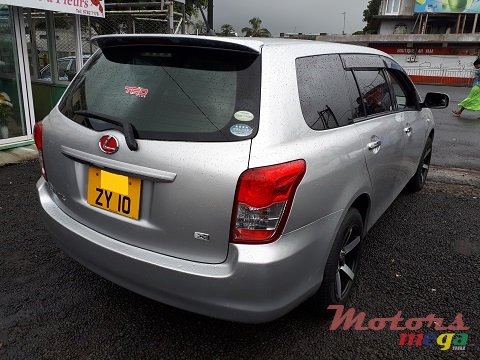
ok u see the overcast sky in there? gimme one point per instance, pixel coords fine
(305, 16)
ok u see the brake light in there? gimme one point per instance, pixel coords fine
(38, 138)
(263, 200)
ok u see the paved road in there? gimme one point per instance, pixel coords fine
(422, 257)
(457, 140)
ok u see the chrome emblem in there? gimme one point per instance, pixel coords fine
(201, 236)
(108, 144)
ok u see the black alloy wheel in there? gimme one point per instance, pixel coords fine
(343, 263)
(348, 262)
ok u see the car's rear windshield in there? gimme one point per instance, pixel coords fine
(169, 92)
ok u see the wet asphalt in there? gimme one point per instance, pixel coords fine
(422, 257)
(456, 138)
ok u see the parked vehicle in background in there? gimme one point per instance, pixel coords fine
(67, 68)
(230, 177)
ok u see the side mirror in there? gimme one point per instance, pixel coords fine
(434, 100)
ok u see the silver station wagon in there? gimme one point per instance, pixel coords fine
(230, 177)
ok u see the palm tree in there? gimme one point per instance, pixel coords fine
(256, 30)
(227, 30)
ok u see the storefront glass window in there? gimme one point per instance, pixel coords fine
(37, 44)
(65, 46)
(12, 122)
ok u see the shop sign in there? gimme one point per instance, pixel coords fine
(78, 7)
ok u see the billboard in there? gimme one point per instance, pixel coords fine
(447, 6)
(78, 7)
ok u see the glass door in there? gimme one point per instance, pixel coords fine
(13, 126)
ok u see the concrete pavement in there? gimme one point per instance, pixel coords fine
(17, 155)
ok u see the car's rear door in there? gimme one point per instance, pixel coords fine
(190, 110)
(379, 128)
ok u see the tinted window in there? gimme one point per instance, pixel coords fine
(374, 90)
(170, 93)
(323, 92)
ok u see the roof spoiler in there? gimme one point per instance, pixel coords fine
(105, 41)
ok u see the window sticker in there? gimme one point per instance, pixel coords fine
(136, 90)
(241, 130)
(244, 116)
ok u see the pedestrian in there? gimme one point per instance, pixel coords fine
(472, 102)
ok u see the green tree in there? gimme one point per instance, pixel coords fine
(256, 30)
(227, 30)
(199, 26)
(372, 10)
(190, 6)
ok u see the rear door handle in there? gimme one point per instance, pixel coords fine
(408, 130)
(374, 145)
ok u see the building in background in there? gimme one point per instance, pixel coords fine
(436, 41)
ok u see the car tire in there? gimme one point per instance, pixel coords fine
(418, 180)
(343, 263)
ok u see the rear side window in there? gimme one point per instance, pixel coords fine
(170, 92)
(323, 92)
(374, 90)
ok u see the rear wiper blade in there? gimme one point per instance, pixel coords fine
(127, 127)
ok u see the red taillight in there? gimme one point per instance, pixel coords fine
(38, 138)
(263, 201)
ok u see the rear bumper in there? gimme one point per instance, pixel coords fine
(254, 284)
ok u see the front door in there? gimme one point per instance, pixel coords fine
(415, 123)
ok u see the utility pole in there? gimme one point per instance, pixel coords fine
(344, 14)
(210, 14)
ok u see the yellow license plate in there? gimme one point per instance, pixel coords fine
(113, 192)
